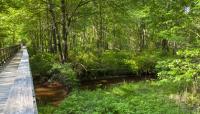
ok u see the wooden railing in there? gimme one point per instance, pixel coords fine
(7, 53)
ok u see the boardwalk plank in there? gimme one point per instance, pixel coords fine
(16, 87)
(21, 100)
(7, 76)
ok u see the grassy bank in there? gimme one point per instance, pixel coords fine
(145, 97)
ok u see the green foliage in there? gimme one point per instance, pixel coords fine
(118, 62)
(64, 73)
(132, 65)
(47, 109)
(146, 61)
(45, 66)
(41, 63)
(114, 60)
(87, 59)
(189, 53)
(103, 37)
(184, 72)
(186, 68)
(111, 62)
(133, 98)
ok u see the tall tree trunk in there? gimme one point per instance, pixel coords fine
(40, 34)
(64, 30)
(49, 33)
(99, 26)
(165, 47)
(142, 36)
(37, 40)
(55, 30)
(53, 24)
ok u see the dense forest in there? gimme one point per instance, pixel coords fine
(109, 56)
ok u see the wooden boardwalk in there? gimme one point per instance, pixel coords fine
(16, 86)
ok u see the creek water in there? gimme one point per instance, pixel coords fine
(53, 93)
(50, 93)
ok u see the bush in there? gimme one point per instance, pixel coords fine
(89, 60)
(117, 63)
(108, 63)
(45, 66)
(146, 63)
(132, 65)
(186, 68)
(184, 72)
(41, 63)
(115, 60)
(64, 73)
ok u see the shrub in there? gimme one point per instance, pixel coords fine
(89, 60)
(45, 67)
(64, 73)
(132, 65)
(114, 60)
(184, 72)
(108, 63)
(41, 63)
(146, 61)
(186, 68)
(117, 63)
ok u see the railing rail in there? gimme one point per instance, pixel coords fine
(7, 53)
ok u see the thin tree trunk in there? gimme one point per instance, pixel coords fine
(55, 30)
(53, 24)
(49, 33)
(165, 47)
(64, 30)
(40, 34)
(59, 44)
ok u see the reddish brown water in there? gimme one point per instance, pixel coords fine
(50, 93)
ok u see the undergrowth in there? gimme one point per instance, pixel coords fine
(146, 97)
